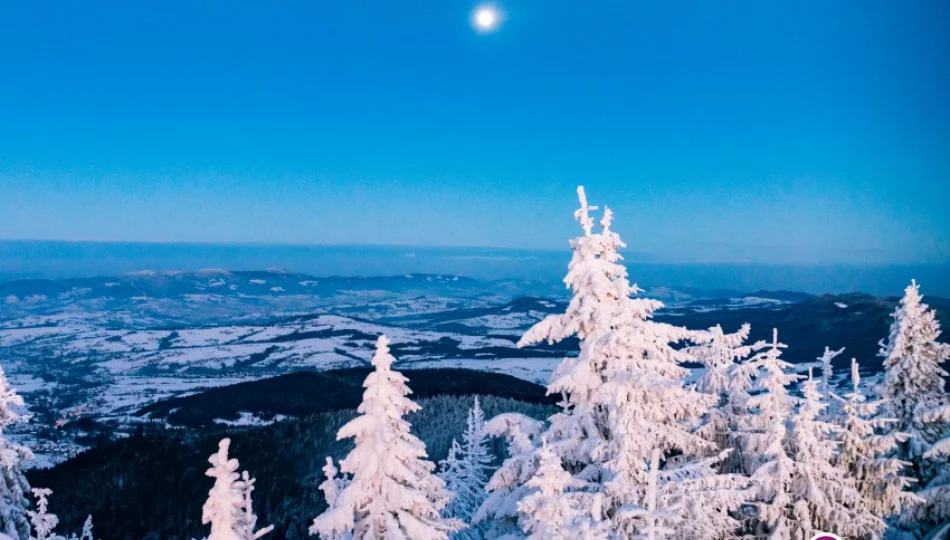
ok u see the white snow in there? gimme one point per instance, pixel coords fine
(250, 419)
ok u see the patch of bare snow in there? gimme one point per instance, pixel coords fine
(249, 419)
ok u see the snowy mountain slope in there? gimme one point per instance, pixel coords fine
(78, 354)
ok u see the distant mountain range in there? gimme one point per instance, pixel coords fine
(171, 284)
(744, 269)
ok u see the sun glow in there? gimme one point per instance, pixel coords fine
(486, 18)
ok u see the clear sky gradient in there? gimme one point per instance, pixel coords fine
(815, 132)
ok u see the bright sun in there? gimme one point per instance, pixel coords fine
(485, 18)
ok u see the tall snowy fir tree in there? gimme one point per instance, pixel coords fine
(550, 513)
(656, 522)
(764, 438)
(248, 519)
(827, 369)
(801, 492)
(933, 514)
(391, 493)
(223, 508)
(465, 472)
(827, 387)
(43, 522)
(864, 449)
(719, 352)
(14, 520)
(822, 497)
(229, 507)
(913, 378)
(624, 395)
(87, 530)
(498, 514)
(331, 487)
(917, 398)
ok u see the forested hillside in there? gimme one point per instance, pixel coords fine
(152, 485)
(304, 393)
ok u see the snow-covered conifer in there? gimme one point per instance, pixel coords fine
(392, 493)
(916, 395)
(765, 428)
(498, 514)
(764, 440)
(87, 530)
(827, 387)
(248, 519)
(933, 514)
(478, 456)
(229, 508)
(465, 471)
(656, 522)
(451, 471)
(913, 379)
(823, 498)
(224, 506)
(864, 451)
(14, 503)
(549, 512)
(44, 523)
(827, 370)
(332, 486)
(624, 395)
(802, 492)
(719, 352)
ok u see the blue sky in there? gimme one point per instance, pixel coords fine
(810, 132)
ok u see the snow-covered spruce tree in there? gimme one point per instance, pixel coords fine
(451, 471)
(14, 521)
(498, 514)
(229, 507)
(623, 396)
(465, 472)
(547, 513)
(656, 522)
(823, 498)
(801, 492)
(863, 452)
(933, 514)
(827, 387)
(44, 523)
(87, 530)
(916, 396)
(333, 485)
(392, 492)
(913, 379)
(827, 370)
(719, 352)
(764, 438)
(768, 405)
(223, 507)
(248, 519)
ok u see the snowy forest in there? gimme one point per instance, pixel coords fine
(639, 446)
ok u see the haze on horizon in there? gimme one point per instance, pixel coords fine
(790, 132)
